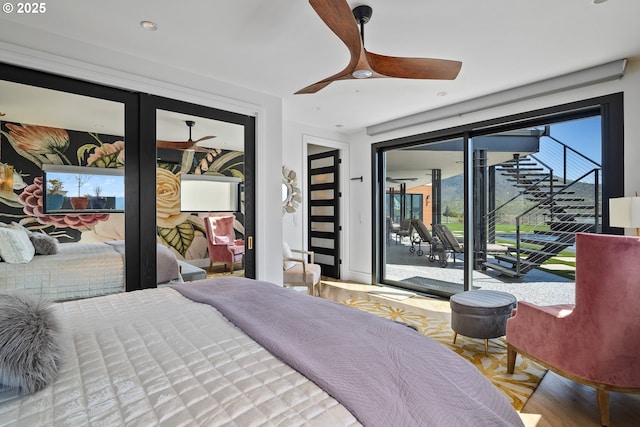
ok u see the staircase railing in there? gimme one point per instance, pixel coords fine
(550, 202)
(572, 160)
(491, 216)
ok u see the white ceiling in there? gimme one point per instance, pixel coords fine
(45, 107)
(280, 46)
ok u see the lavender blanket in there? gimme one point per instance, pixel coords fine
(383, 372)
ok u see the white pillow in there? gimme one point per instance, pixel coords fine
(15, 245)
(286, 253)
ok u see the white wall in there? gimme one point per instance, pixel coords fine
(297, 137)
(360, 224)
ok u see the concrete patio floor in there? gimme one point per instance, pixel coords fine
(538, 287)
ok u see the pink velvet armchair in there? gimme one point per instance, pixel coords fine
(220, 238)
(595, 342)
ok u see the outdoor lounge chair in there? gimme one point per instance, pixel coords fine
(424, 236)
(406, 230)
(449, 243)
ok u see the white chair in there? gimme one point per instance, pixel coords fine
(300, 271)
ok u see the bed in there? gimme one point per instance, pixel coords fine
(235, 351)
(79, 270)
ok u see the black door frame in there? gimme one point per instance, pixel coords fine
(331, 271)
(148, 109)
(136, 257)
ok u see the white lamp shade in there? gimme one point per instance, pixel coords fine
(208, 193)
(624, 212)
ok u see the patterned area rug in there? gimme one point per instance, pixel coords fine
(517, 387)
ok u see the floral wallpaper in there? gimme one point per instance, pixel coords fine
(27, 147)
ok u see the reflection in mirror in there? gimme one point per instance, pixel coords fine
(44, 129)
(198, 152)
(93, 189)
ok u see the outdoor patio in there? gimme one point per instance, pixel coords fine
(538, 287)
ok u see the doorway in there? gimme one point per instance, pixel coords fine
(324, 211)
(312, 146)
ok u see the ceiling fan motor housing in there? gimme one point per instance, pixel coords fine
(362, 13)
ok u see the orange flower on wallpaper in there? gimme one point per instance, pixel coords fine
(39, 140)
(106, 150)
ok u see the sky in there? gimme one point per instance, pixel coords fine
(584, 136)
(111, 186)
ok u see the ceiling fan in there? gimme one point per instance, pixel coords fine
(363, 64)
(400, 180)
(190, 144)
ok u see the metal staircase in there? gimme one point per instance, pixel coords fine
(548, 210)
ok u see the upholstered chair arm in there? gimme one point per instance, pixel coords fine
(541, 329)
(300, 260)
(309, 253)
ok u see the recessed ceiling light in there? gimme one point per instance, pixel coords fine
(315, 108)
(441, 93)
(599, 1)
(2, 114)
(149, 25)
(339, 126)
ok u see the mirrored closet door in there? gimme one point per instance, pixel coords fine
(62, 175)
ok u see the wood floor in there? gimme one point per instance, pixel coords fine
(557, 402)
(561, 402)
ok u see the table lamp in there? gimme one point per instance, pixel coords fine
(625, 212)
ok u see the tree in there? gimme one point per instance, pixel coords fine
(447, 213)
(81, 180)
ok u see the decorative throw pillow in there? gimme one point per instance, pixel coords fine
(44, 244)
(30, 347)
(286, 253)
(15, 246)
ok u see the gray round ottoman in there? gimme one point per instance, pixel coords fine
(481, 314)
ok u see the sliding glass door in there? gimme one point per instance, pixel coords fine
(531, 185)
(424, 196)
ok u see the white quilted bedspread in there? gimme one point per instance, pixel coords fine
(153, 357)
(78, 270)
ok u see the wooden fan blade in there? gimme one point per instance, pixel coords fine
(314, 87)
(183, 145)
(413, 68)
(337, 15)
(342, 75)
(175, 145)
(204, 138)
